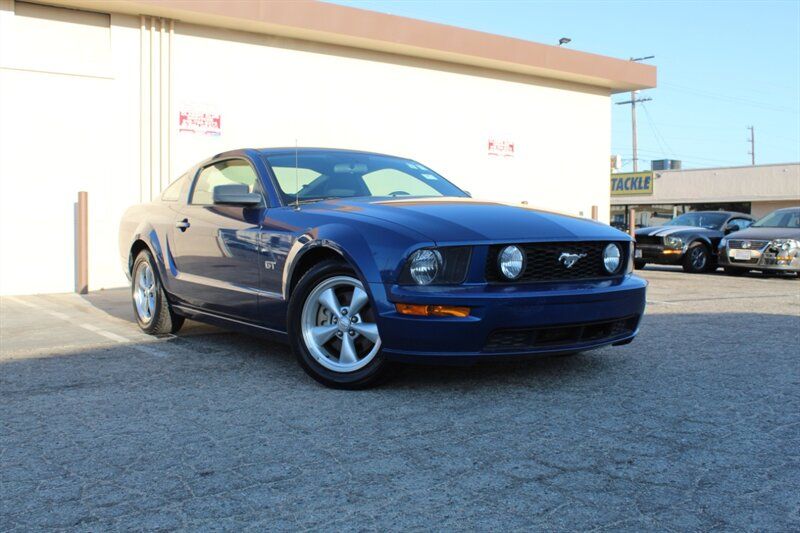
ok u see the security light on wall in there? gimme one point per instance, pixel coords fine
(564, 40)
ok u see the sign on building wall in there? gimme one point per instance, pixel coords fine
(501, 148)
(199, 120)
(632, 183)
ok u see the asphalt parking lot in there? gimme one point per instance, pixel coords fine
(694, 426)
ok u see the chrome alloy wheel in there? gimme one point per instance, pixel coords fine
(144, 292)
(698, 257)
(342, 337)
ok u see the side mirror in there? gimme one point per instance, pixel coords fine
(235, 194)
(730, 228)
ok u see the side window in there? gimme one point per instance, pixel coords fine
(173, 191)
(227, 172)
(388, 180)
(741, 222)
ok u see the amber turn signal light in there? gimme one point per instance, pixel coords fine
(432, 310)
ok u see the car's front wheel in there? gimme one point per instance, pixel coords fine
(697, 259)
(332, 328)
(639, 264)
(153, 312)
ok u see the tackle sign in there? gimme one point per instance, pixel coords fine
(632, 183)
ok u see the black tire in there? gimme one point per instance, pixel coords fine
(375, 372)
(639, 264)
(737, 272)
(163, 319)
(697, 258)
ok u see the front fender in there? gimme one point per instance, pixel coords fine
(373, 252)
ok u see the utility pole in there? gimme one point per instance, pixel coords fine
(752, 141)
(633, 101)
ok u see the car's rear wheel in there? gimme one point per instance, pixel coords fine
(150, 305)
(332, 328)
(696, 259)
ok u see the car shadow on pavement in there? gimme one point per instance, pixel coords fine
(719, 272)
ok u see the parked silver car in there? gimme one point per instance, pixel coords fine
(770, 244)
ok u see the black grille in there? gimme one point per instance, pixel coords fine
(542, 262)
(647, 239)
(753, 245)
(513, 340)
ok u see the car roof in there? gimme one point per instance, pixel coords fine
(311, 149)
(729, 213)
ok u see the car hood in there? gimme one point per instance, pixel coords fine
(663, 231)
(445, 220)
(766, 233)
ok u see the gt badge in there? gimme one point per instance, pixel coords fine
(569, 260)
(269, 265)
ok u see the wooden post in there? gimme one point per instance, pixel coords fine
(632, 222)
(82, 246)
(594, 212)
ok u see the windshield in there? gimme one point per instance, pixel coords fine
(700, 220)
(780, 219)
(322, 175)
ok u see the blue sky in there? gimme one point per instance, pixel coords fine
(722, 66)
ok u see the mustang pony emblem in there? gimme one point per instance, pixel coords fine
(569, 260)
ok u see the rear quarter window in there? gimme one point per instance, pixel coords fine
(173, 192)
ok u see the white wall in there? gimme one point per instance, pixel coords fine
(66, 126)
(72, 117)
(271, 91)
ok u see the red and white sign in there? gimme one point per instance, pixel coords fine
(501, 148)
(199, 121)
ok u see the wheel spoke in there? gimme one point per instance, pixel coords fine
(347, 355)
(148, 274)
(323, 334)
(358, 300)
(329, 301)
(151, 304)
(367, 329)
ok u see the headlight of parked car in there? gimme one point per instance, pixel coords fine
(785, 245)
(673, 242)
(436, 266)
(723, 243)
(612, 257)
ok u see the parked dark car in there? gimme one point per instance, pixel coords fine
(360, 259)
(772, 244)
(689, 240)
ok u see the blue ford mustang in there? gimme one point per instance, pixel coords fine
(360, 259)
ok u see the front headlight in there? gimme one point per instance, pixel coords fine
(673, 242)
(436, 266)
(611, 258)
(723, 243)
(785, 245)
(424, 265)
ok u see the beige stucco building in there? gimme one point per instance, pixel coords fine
(756, 190)
(118, 97)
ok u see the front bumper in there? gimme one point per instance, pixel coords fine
(760, 259)
(659, 254)
(506, 320)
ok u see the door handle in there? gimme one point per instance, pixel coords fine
(183, 225)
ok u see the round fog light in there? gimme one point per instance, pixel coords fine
(611, 258)
(511, 261)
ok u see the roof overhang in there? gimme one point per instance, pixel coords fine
(358, 28)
